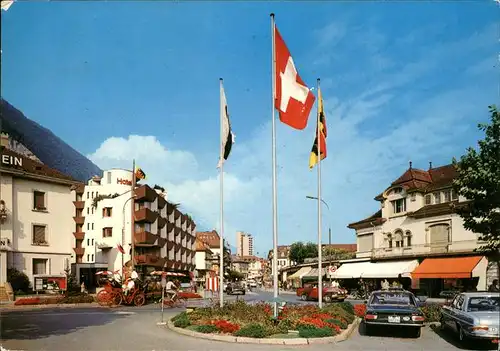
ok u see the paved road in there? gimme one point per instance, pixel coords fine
(131, 328)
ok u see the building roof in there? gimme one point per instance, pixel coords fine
(211, 238)
(374, 220)
(201, 246)
(346, 247)
(32, 167)
(414, 179)
(45, 145)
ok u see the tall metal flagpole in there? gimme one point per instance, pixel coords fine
(320, 248)
(275, 200)
(132, 218)
(221, 176)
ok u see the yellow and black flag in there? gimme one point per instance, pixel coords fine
(139, 174)
(313, 159)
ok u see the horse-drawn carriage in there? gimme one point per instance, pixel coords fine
(134, 291)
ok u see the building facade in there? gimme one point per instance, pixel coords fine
(417, 221)
(204, 262)
(244, 244)
(105, 225)
(283, 258)
(35, 216)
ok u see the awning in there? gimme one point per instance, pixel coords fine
(390, 269)
(313, 273)
(372, 270)
(351, 270)
(300, 273)
(446, 268)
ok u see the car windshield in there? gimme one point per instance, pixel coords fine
(392, 298)
(484, 304)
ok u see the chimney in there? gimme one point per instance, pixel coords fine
(430, 164)
(410, 164)
(4, 140)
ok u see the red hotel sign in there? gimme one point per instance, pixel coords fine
(124, 181)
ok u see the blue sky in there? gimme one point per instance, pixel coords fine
(116, 80)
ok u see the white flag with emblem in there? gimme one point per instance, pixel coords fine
(227, 136)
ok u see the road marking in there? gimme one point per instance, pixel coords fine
(124, 312)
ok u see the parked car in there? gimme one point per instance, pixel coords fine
(310, 292)
(235, 288)
(395, 308)
(473, 315)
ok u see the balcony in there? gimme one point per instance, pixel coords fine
(177, 231)
(170, 227)
(161, 222)
(193, 225)
(170, 208)
(161, 202)
(145, 193)
(79, 205)
(177, 214)
(161, 242)
(79, 235)
(183, 218)
(434, 249)
(170, 245)
(79, 220)
(145, 215)
(150, 260)
(79, 251)
(144, 238)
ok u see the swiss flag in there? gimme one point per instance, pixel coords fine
(293, 99)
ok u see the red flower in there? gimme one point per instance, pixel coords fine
(360, 310)
(28, 301)
(188, 295)
(225, 327)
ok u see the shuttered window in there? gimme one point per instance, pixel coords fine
(39, 200)
(39, 237)
(107, 232)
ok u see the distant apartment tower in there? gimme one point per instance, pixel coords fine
(244, 244)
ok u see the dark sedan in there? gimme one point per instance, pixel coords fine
(394, 308)
(235, 288)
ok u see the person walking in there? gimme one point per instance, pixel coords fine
(494, 286)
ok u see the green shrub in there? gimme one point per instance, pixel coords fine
(432, 312)
(253, 331)
(314, 332)
(338, 311)
(206, 329)
(180, 315)
(78, 298)
(347, 306)
(182, 322)
(284, 326)
(341, 324)
(18, 280)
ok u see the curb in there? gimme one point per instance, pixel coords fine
(39, 307)
(244, 340)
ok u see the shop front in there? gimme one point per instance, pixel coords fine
(442, 276)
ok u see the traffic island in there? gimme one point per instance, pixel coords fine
(240, 322)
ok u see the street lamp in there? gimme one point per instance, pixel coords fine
(329, 228)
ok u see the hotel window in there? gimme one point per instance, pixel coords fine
(107, 232)
(447, 195)
(428, 199)
(454, 195)
(39, 235)
(39, 200)
(107, 211)
(108, 176)
(92, 226)
(88, 242)
(408, 238)
(399, 206)
(389, 241)
(437, 198)
(92, 257)
(92, 194)
(39, 266)
(88, 226)
(398, 238)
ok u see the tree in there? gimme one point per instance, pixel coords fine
(233, 275)
(300, 251)
(18, 280)
(478, 181)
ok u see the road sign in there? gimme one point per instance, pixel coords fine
(332, 269)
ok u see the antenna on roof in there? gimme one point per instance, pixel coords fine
(410, 164)
(430, 164)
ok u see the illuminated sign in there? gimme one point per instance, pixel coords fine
(8, 160)
(124, 181)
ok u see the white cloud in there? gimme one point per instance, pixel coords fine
(373, 133)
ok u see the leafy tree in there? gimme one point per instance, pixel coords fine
(233, 275)
(300, 251)
(479, 182)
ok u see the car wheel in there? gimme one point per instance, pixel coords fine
(303, 297)
(327, 298)
(461, 335)
(442, 323)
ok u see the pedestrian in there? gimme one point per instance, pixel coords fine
(494, 286)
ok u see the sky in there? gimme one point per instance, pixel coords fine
(121, 80)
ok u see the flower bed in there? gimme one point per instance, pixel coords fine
(30, 301)
(256, 321)
(188, 295)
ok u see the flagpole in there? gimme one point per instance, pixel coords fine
(221, 176)
(132, 219)
(320, 248)
(274, 191)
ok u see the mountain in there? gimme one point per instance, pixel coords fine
(45, 145)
